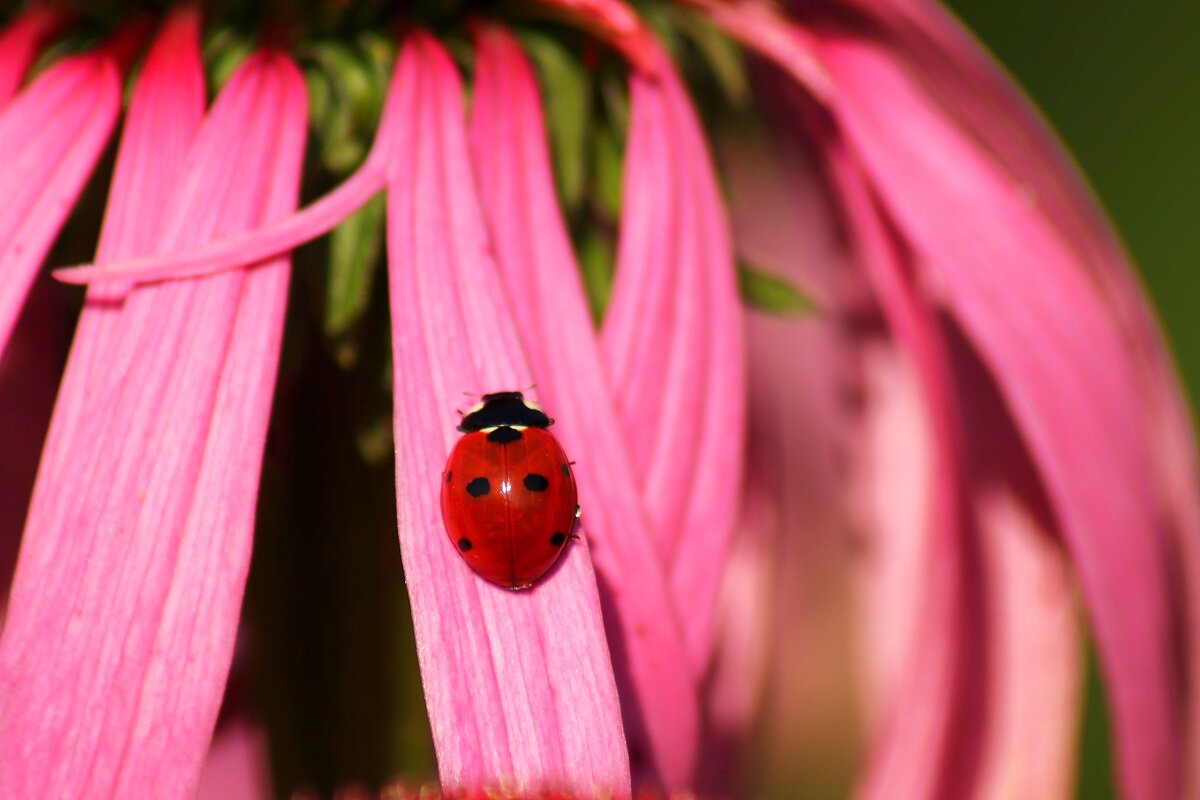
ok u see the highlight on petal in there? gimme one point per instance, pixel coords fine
(1037, 684)
(51, 134)
(1027, 305)
(534, 253)
(518, 685)
(114, 657)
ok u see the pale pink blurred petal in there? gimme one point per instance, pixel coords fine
(19, 44)
(1026, 304)
(236, 767)
(519, 685)
(51, 135)
(114, 672)
(804, 379)
(951, 65)
(930, 735)
(893, 498)
(538, 266)
(1036, 644)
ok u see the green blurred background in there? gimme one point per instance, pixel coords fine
(1121, 83)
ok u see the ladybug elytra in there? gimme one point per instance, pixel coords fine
(508, 494)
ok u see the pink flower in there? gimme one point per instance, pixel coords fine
(981, 403)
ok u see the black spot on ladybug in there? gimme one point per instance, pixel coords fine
(557, 539)
(448, 474)
(478, 487)
(464, 544)
(536, 483)
(566, 471)
(504, 435)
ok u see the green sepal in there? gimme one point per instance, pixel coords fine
(569, 112)
(596, 266)
(608, 167)
(770, 293)
(355, 250)
(224, 51)
(720, 55)
(347, 83)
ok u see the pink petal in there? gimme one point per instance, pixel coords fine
(519, 685)
(116, 651)
(535, 255)
(673, 344)
(19, 43)
(51, 135)
(1027, 305)
(164, 114)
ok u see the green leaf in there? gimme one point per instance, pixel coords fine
(773, 294)
(596, 265)
(720, 55)
(569, 111)
(608, 170)
(224, 50)
(355, 250)
(347, 83)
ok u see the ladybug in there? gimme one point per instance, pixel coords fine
(508, 494)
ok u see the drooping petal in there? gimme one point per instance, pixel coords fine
(519, 685)
(539, 269)
(115, 655)
(1028, 306)
(51, 136)
(931, 730)
(975, 92)
(673, 346)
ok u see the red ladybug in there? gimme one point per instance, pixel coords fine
(508, 494)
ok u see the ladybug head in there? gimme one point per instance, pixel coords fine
(504, 408)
